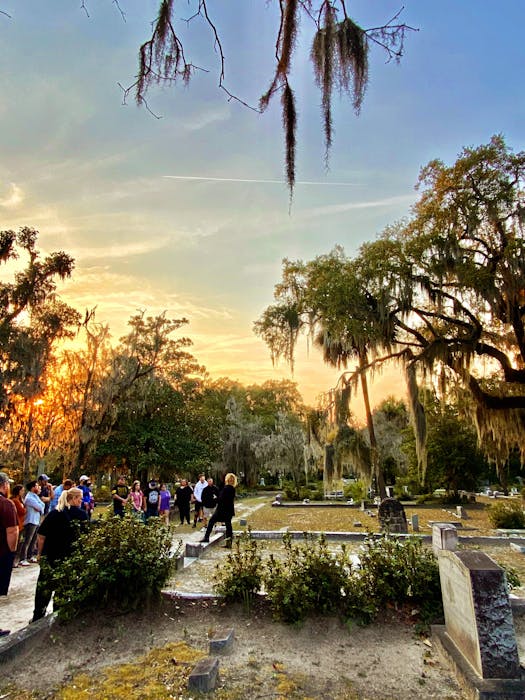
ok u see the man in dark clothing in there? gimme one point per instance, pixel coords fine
(8, 537)
(56, 536)
(209, 496)
(152, 497)
(120, 494)
(183, 499)
(225, 510)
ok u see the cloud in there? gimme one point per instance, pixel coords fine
(14, 198)
(350, 206)
(120, 250)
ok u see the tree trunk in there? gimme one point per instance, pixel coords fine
(374, 454)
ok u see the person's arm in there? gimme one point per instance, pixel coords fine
(12, 537)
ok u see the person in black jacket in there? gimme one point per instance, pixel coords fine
(56, 536)
(225, 510)
(183, 498)
(209, 499)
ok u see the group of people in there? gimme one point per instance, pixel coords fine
(209, 504)
(36, 521)
(41, 520)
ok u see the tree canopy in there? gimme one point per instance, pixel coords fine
(442, 293)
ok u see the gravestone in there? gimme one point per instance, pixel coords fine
(478, 616)
(392, 516)
(415, 523)
(444, 537)
(461, 512)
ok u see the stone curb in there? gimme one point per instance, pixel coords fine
(13, 644)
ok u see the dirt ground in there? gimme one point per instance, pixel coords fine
(320, 659)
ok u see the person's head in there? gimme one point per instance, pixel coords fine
(68, 483)
(210, 481)
(136, 485)
(202, 478)
(121, 480)
(162, 486)
(153, 484)
(73, 497)
(83, 479)
(4, 483)
(17, 491)
(184, 482)
(33, 486)
(43, 479)
(230, 480)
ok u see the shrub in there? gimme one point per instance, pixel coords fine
(102, 494)
(309, 581)
(507, 515)
(356, 490)
(239, 578)
(118, 563)
(401, 571)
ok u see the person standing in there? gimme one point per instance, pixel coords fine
(84, 485)
(8, 537)
(137, 500)
(56, 536)
(197, 496)
(164, 505)
(34, 512)
(64, 486)
(210, 496)
(46, 492)
(183, 496)
(120, 494)
(225, 510)
(152, 496)
(17, 496)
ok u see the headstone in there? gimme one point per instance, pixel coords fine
(389, 491)
(444, 537)
(221, 640)
(478, 616)
(357, 523)
(363, 506)
(461, 512)
(415, 523)
(243, 522)
(204, 676)
(392, 516)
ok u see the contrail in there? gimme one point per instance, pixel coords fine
(273, 182)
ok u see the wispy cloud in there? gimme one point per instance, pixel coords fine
(14, 197)
(202, 178)
(120, 250)
(370, 204)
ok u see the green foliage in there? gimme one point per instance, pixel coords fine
(102, 494)
(240, 577)
(119, 564)
(507, 515)
(308, 581)
(312, 580)
(357, 491)
(400, 571)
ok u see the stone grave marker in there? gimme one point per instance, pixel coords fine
(392, 517)
(415, 523)
(444, 537)
(478, 616)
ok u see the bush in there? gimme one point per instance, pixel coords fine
(356, 490)
(312, 580)
(102, 494)
(239, 578)
(119, 563)
(309, 581)
(507, 515)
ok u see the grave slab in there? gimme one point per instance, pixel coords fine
(222, 640)
(203, 678)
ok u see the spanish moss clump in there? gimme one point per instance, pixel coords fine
(340, 59)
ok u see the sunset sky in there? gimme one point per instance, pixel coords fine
(188, 213)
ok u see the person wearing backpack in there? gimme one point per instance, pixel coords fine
(152, 496)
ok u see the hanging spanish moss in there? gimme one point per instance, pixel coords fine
(417, 414)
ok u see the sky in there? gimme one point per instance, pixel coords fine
(188, 213)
